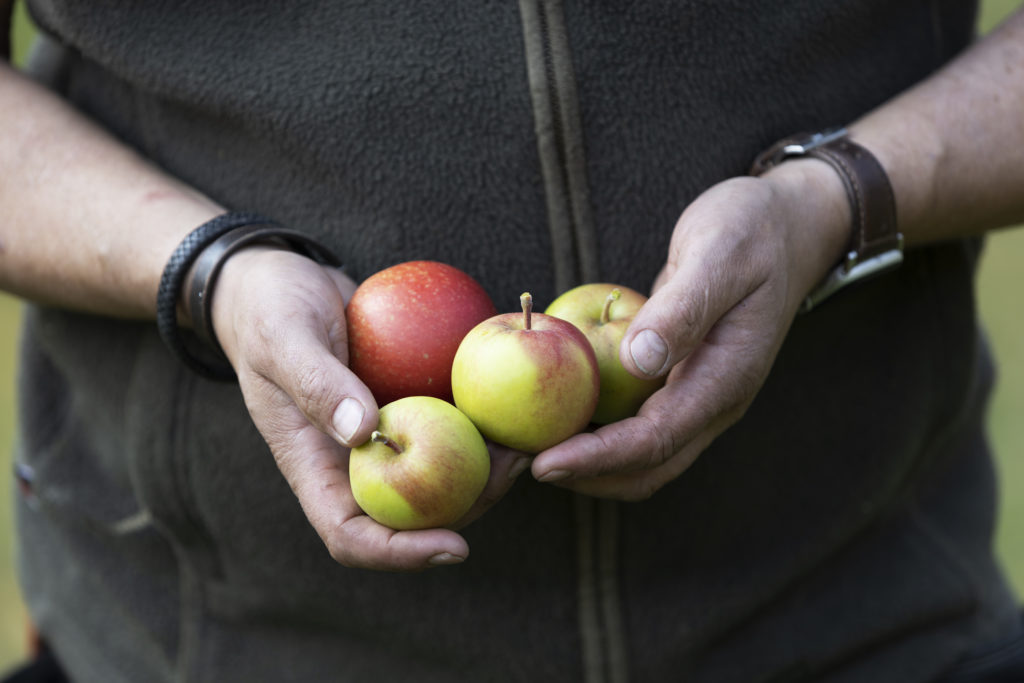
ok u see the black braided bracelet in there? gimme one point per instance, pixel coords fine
(208, 246)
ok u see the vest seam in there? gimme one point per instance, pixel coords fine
(558, 129)
(571, 138)
(587, 587)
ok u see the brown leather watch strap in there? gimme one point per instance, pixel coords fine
(867, 186)
(875, 243)
(870, 194)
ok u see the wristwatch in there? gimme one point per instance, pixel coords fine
(876, 246)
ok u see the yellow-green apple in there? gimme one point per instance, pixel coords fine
(603, 313)
(527, 381)
(405, 324)
(424, 466)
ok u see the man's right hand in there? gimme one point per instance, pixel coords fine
(280, 318)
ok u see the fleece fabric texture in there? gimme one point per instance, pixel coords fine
(840, 532)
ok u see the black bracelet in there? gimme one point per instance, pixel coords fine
(208, 246)
(212, 258)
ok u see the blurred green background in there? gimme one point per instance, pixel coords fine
(1002, 306)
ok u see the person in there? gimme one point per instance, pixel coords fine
(809, 497)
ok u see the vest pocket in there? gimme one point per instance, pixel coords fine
(71, 459)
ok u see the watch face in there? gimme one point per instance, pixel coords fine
(793, 146)
(816, 140)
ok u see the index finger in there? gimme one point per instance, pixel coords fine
(704, 394)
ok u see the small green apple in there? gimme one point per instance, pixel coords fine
(527, 381)
(603, 313)
(424, 467)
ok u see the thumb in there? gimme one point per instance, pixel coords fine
(330, 396)
(301, 362)
(280, 318)
(675, 320)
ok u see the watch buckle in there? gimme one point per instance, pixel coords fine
(855, 268)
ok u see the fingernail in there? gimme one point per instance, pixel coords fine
(648, 351)
(517, 467)
(347, 418)
(553, 475)
(442, 559)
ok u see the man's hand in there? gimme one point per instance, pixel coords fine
(281, 320)
(742, 257)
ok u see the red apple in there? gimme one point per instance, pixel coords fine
(405, 324)
(527, 381)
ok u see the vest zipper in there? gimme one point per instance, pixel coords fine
(559, 133)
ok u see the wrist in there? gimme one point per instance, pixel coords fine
(192, 272)
(227, 299)
(875, 245)
(818, 220)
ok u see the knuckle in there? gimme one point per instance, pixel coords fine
(666, 447)
(684, 317)
(692, 311)
(346, 557)
(660, 444)
(341, 545)
(340, 554)
(313, 388)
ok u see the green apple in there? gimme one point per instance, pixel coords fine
(527, 381)
(424, 466)
(603, 313)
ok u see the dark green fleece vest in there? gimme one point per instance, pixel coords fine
(840, 532)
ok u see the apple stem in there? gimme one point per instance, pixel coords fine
(377, 437)
(613, 296)
(526, 299)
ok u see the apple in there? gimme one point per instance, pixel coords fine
(527, 381)
(405, 324)
(603, 312)
(424, 466)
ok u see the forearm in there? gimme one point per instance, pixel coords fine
(952, 145)
(87, 223)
